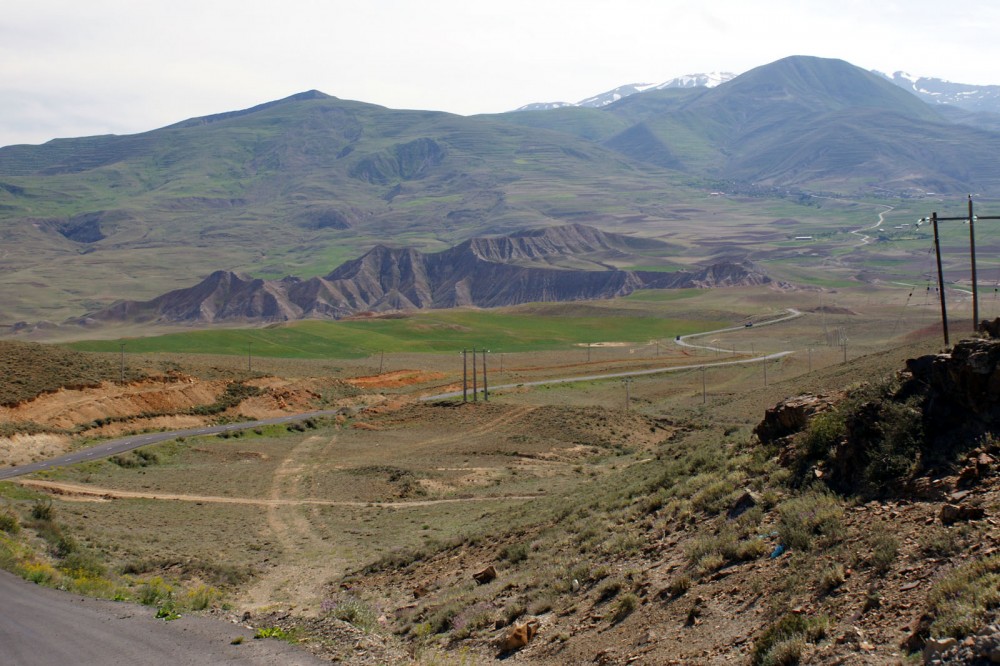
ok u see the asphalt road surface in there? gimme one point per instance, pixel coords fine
(44, 627)
(113, 447)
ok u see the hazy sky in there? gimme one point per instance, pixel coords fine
(77, 68)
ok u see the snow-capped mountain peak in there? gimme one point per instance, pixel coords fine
(709, 80)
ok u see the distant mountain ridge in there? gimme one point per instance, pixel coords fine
(481, 272)
(935, 91)
(968, 97)
(709, 80)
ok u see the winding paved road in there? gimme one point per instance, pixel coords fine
(113, 447)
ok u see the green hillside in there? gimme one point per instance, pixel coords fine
(299, 185)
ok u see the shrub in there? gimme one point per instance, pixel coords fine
(9, 522)
(201, 597)
(440, 619)
(811, 517)
(477, 616)
(274, 632)
(153, 591)
(352, 610)
(80, 564)
(42, 510)
(609, 589)
(782, 642)
(679, 586)
(885, 548)
(831, 577)
(624, 606)
(514, 553)
(966, 599)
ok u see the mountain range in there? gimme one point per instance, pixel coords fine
(299, 185)
(621, 92)
(955, 96)
(483, 272)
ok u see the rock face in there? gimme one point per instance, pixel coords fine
(962, 390)
(482, 272)
(791, 416)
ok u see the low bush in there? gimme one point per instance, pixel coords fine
(42, 510)
(9, 522)
(626, 603)
(781, 644)
(812, 519)
(967, 599)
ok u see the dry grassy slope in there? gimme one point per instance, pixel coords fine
(646, 567)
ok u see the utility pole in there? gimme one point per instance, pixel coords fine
(465, 376)
(122, 345)
(764, 364)
(810, 359)
(486, 390)
(249, 358)
(381, 359)
(972, 255)
(704, 393)
(628, 393)
(937, 251)
(475, 387)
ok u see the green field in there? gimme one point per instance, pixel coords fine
(425, 332)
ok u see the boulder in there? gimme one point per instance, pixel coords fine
(953, 513)
(748, 500)
(485, 575)
(518, 636)
(791, 416)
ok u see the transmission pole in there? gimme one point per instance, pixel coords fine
(937, 251)
(486, 390)
(972, 255)
(465, 376)
(475, 387)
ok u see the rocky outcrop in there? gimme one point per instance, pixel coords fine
(791, 416)
(961, 391)
(481, 272)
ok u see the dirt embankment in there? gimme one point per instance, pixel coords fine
(112, 409)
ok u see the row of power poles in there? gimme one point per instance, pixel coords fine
(475, 376)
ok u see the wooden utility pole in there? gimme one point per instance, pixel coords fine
(972, 255)
(486, 390)
(122, 345)
(465, 376)
(937, 251)
(475, 387)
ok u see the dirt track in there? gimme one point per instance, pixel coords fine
(71, 491)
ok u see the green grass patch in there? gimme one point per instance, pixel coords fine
(425, 332)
